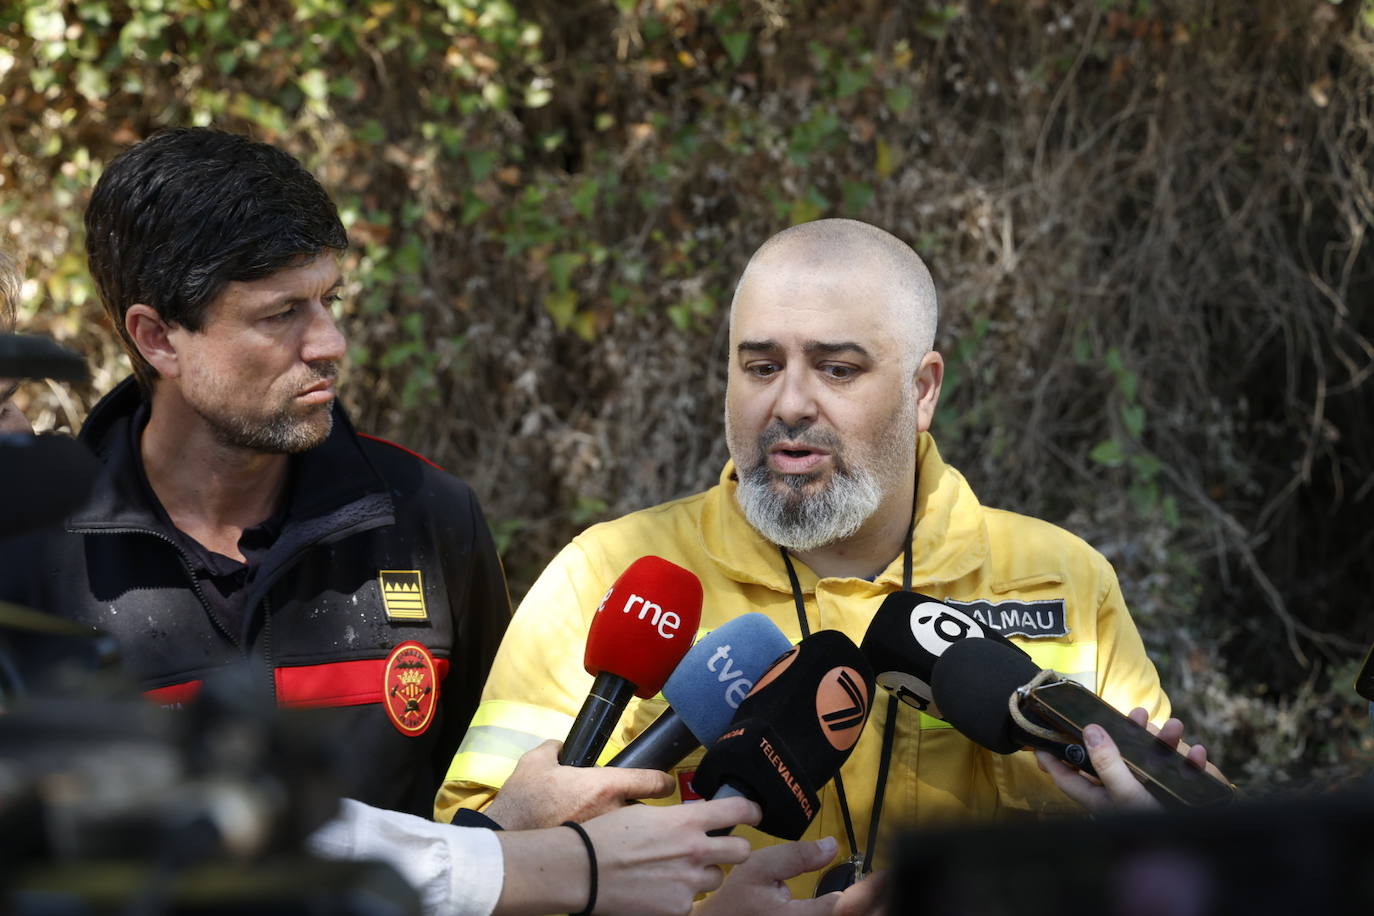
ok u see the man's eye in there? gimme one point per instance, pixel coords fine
(763, 370)
(282, 315)
(839, 373)
(332, 300)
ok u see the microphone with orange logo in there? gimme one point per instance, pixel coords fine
(644, 625)
(793, 732)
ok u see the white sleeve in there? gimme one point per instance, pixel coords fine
(457, 870)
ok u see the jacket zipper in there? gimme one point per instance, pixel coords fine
(267, 647)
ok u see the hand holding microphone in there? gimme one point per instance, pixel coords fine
(644, 625)
(1003, 701)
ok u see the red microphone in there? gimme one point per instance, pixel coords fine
(642, 628)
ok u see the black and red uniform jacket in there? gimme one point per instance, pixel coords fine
(361, 515)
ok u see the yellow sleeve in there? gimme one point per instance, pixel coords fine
(537, 682)
(1126, 678)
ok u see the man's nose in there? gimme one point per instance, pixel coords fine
(796, 400)
(323, 339)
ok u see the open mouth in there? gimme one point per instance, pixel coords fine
(792, 458)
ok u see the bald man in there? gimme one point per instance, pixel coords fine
(834, 485)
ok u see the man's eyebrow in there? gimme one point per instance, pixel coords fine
(757, 346)
(289, 297)
(844, 346)
(811, 346)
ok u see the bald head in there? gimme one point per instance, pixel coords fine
(848, 252)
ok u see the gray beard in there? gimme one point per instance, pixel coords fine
(799, 522)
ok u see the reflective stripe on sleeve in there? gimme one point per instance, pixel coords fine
(1077, 662)
(500, 732)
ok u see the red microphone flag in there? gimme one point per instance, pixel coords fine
(645, 624)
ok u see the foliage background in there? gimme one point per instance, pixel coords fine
(1147, 218)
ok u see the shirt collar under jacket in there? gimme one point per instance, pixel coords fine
(950, 538)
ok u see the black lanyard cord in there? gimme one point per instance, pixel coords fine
(889, 726)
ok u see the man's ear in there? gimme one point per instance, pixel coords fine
(152, 336)
(930, 375)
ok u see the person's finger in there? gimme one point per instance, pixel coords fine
(632, 783)
(787, 860)
(1071, 782)
(728, 850)
(712, 877)
(1141, 716)
(824, 905)
(1122, 788)
(1197, 756)
(723, 812)
(1171, 732)
(864, 897)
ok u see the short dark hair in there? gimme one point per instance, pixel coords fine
(178, 216)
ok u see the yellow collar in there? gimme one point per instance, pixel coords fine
(950, 538)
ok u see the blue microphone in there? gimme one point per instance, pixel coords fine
(704, 691)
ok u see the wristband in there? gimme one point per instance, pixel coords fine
(591, 858)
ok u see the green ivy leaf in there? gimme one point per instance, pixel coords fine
(1109, 453)
(1133, 417)
(736, 46)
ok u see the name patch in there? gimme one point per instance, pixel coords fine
(1031, 619)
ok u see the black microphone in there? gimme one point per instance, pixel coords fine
(982, 687)
(907, 636)
(47, 477)
(792, 733)
(33, 356)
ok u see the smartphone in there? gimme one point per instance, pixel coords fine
(1165, 772)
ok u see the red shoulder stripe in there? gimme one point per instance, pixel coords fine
(402, 448)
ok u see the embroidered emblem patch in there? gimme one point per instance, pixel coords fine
(403, 594)
(1032, 619)
(410, 688)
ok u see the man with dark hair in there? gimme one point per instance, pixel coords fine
(238, 514)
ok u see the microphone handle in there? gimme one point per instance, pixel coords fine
(661, 746)
(598, 717)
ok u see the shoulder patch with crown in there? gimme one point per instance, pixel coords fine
(410, 688)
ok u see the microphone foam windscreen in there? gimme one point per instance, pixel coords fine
(713, 678)
(974, 679)
(645, 624)
(48, 477)
(794, 731)
(34, 356)
(908, 634)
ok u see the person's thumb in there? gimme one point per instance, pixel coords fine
(633, 783)
(1111, 769)
(787, 860)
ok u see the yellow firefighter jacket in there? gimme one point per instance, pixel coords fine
(997, 562)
